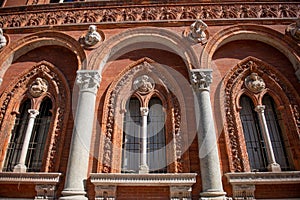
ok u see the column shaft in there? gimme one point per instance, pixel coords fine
(273, 166)
(21, 167)
(78, 162)
(143, 165)
(207, 141)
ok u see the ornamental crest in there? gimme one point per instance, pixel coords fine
(143, 84)
(38, 87)
(254, 83)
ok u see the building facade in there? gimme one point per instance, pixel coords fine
(149, 100)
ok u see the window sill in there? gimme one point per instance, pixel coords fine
(180, 184)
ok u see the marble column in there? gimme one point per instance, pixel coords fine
(143, 165)
(212, 188)
(272, 165)
(88, 82)
(21, 167)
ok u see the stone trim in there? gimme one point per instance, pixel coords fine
(29, 178)
(97, 13)
(106, 183)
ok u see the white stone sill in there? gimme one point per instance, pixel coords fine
(118, 179)
(29, 178)
(260, 178)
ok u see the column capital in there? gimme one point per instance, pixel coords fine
(33, 113)
(260, 108)
(144, 111)
(201, 79)
(88, 80)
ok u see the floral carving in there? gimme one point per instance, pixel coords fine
(105, 14)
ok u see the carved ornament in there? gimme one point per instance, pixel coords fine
(201, 79)
(97, 13)
(254, 83)
(38, 87)
(88, 80)
(294, 30)
(143, 84)
(3, 40)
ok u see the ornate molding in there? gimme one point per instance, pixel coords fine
(97, 13)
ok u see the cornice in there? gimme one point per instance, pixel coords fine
(29, 178)
(85, 13)
(259, 178)
(180, 179)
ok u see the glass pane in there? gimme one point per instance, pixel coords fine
(131, 137)
(38, 138)
(17, 137)
(253, 138)
(273, 120)
(156, 141)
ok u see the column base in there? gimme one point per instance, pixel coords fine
(75, 194)
(213, 195)
(21, 168)
(274, 167)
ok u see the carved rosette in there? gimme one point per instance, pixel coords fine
(254, 83)
(143, 84)
(38, 87)
(88, 80)
(201, 79)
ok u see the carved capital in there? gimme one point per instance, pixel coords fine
(144, 111)
(33, 113)
(260, 109)
(88, 80)
(201, 79)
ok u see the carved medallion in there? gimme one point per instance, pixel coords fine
(38, 87)
(143, 84)
(255, 83)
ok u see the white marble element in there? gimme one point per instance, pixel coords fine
(21, 167)
(78, 162)
(207, 141)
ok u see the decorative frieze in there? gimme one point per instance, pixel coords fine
(96, 12)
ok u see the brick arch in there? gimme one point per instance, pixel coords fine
(151, 38)
(120, 91)
(283, 43)
(279, 87)
(45, 38)
(58, 92)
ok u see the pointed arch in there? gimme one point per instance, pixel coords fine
(171, 95)
(58, 92)
(277, 86)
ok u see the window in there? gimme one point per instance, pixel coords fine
(256, 145)
(35, 152)
(17, 137)
(132, 137)
(253, 138)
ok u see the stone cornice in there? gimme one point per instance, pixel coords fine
(29, 178)
(182, 179)
(259, 178)
(85, 13)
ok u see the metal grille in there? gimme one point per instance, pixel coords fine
(38, 138)
(253, 138)
(156, 141)
(131, 137)
(273, 122)
(17, 137)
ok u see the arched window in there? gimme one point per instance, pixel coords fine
(273, 120)
(39, 135)
(17, 137)
(132, 137)
(252, 133)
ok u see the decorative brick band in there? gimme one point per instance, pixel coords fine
(96, 13)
